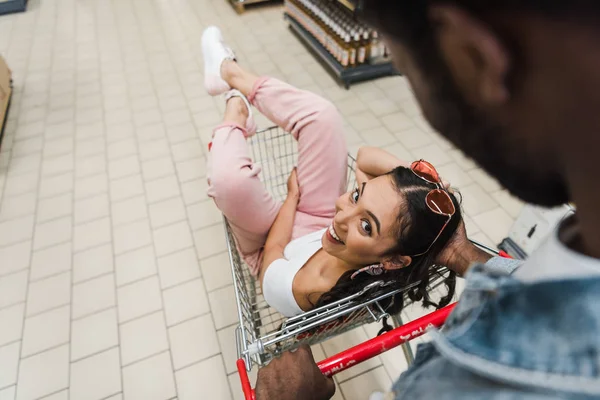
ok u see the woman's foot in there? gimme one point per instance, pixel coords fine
(241, 105)
(215, 52)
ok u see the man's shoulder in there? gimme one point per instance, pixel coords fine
(507, 332)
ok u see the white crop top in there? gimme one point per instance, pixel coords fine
(277, 283)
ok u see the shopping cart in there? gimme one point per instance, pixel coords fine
(263, 333)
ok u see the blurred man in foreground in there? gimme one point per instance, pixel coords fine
(515, 84)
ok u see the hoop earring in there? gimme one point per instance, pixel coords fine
(373, 270)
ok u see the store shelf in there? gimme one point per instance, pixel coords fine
(12, 6)
(240, 5)
(348, 4)
(346, 76)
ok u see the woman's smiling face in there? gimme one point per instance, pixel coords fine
(365, 224)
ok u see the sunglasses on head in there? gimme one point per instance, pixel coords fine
(437, 200)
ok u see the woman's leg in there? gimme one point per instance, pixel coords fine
(318, 127)
(234, 185)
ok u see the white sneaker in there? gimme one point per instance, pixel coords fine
(215, 52)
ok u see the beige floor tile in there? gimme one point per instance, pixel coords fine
(154, 149)
(124, 188)
(206, 379)
(476, 200)
(509, 203)
(54, 207)
(363, 121)
(132, 236)
(13, 288)
(62, 395)
(162, 189)
(379, 136)
(194, 191)
(190, 149)
(191, 169)
(16, 257)
(135, 265)
(90, 186)
(94, 333)
(16, 230)
(224, 306)
(157, 168)
(49, 293)
(203, 214)
(91, 208)
(139, 298)
(150, 379)
(167, 212)
(22, 183)
(9, 366)
(52, 232)
(185, 301)
(129, 210)
(432, 153)
(93, 262)
(484, 180)
(172, 238)
(454, 174)
(495, 223)
(143, 337)
(8, 393)
(46, 330)
(89, 166)
(364, 385)
(459, 157)
(124, 167)
(18, 206)
(210, 241)
(122, 148)
(96, 377)
(226, 337)
(178, 267)
(216, 271)
(91, 234)
(185, 346)
(413, 138)
(43, 373)
(93, 295)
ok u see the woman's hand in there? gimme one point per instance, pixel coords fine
(292, 185)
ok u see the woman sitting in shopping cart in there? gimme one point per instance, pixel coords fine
(321, 244)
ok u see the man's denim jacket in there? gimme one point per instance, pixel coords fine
(510, 340)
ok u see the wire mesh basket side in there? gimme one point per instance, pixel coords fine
(263, 332)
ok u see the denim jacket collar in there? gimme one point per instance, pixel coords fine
(550, 335)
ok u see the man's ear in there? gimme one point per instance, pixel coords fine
(396, 262)
(475, 55)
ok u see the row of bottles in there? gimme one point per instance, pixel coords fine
(335, 27)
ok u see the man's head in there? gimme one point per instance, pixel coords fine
(504, 80)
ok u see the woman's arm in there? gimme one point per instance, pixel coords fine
(280, 233)
(372, 162)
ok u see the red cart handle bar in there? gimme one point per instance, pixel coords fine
(364, 351)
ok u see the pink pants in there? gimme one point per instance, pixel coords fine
(322, 166)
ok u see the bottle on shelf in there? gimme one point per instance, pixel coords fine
(335, 27)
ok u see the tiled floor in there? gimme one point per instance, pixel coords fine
(113, 278)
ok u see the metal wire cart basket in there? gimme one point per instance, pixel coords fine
(263, 332)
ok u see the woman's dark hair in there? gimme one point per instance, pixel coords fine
(417, 227)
